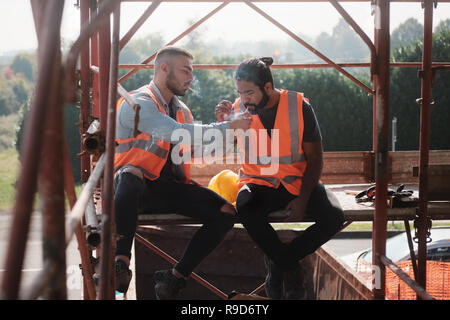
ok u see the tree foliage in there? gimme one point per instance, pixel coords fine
(344, 111)
(343, 44)
(23, 63)
(406, 33)
(406, 88)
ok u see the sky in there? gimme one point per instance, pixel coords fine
(235, 22)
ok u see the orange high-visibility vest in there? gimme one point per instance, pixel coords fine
(146, 152)
(290, 157)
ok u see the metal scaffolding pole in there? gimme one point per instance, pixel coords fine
(44, 148)
(48, 69)
(424, 143)
(381, 151)
(85, 77)
(108, 227)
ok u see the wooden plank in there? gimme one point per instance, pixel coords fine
(353, 211)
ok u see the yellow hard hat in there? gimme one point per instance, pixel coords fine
(225, 184)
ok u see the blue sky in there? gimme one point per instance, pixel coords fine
(236, 22)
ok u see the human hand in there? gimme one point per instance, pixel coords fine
(223, 110)
(241, 121)
(298, 210)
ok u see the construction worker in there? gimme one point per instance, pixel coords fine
(288, 119)
(148, 179)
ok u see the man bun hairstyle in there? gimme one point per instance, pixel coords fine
(256, 70)
(267, 60)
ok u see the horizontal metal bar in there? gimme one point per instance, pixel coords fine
(402, 275)
(79, 208)
(128, 98)
(268, 1)
(147, 13)
(355, 26)
(104, 12)
(439, 65)
(179, 37)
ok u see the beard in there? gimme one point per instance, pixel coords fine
(260, 105)
(174, 86)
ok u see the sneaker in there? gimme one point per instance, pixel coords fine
(295, 284)
(274, 280)
(123, 276)
(167, 286)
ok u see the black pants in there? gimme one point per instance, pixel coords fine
(255, 202)
(133, 195)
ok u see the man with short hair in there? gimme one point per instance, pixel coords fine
(148, 179)
(286, 132)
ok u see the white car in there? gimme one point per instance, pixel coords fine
(397, 249)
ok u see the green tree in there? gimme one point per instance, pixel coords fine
(406, 88)
(136, 51)
(343, 110)
(23, 63)
(343, 44)
(8, 102)
(71, 117)
(443, 26)
(406, 33)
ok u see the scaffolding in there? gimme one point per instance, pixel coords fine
(97, 53)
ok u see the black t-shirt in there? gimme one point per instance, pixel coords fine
(311, 129)
(168, 172)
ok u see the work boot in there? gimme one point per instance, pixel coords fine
(295, 284)
(274, 280)
(167, 286)
(123, 276)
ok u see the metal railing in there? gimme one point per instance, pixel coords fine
(56, 85)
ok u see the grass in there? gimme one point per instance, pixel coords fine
(8, 127)
(9, 171)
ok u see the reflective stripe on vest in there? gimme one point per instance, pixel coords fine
(147, 145)
(295, 156)
(291, 159)
(148, 153)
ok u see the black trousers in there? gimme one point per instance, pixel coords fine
(133, 196)
(255, 202)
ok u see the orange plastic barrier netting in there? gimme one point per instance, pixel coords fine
(438, 280)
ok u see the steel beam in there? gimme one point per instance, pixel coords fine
(147, 13)
(85, 105)
(48, 70)
(309, 47)
(51, 187)
(271, 1)
(436, 66)
(179, 37)
(104, 53)
(107, 280)
(404, 277)
(87, 270)
(382, 13)
(424, 142)
(172, 261)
